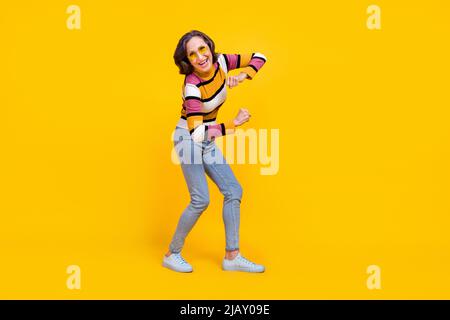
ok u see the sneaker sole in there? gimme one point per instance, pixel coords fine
(168, 266)
(242, 270)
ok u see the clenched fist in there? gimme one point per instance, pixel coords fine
(242, 117)
(233, 81)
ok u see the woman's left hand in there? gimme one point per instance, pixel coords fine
(233, 81)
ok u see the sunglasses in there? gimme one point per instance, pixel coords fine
(192, 55)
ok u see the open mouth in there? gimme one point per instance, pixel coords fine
(203, 63)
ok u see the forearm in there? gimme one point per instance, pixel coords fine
(217, 130)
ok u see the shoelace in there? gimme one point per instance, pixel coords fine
(180, 258)
(246, 261)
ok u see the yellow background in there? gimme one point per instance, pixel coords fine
(87, 179)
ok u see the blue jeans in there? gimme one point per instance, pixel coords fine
(198, 158)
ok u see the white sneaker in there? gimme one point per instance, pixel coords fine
(239, 263)
(176, 262)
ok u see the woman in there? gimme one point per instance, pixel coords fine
(204, 92)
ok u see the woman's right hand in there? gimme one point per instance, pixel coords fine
(242, 117)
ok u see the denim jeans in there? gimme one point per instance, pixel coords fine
(199, 159)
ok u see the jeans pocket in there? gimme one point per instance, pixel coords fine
(181, 134)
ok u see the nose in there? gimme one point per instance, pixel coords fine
(199, 55)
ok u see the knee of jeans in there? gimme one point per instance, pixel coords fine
(234, 192)
(200, 202)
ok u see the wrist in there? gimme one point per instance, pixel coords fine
(244, 75)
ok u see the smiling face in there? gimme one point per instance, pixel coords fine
(200, 56)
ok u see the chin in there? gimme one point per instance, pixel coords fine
(206, 68)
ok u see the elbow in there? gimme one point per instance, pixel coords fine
(260, 56)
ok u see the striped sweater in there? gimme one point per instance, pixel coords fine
(203, 98)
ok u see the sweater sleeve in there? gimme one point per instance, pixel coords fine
(250, 63)
(198, 130)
